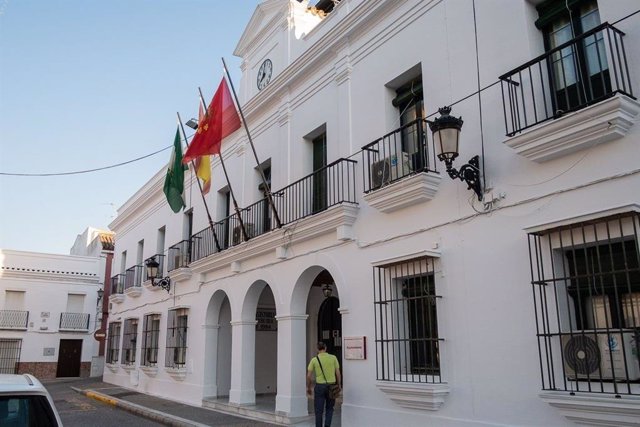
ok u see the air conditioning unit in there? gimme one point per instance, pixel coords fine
(389, 169)
(601, 356)
(237, 233)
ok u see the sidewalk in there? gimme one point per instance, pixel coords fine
(158, 409)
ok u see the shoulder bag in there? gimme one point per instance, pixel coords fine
(334, 389)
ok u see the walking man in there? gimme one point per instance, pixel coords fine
(324, 369)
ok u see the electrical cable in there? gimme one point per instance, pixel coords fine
(90, 170)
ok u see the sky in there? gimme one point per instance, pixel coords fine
(87, 84)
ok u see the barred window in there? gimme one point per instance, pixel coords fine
(176, 352)
(150, 338)
(113, 342)
(407, 341)
(129, 340)
(586, 286)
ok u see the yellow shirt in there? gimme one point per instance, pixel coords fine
(330, 365)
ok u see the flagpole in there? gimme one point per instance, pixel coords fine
(204, 200)
(253, 148)
(233, 197)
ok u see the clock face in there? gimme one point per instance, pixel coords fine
(264, 74)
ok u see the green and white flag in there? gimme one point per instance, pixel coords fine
(174, 183)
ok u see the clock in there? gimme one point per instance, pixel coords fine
(264, 74)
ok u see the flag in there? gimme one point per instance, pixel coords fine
(221, 119)
(174, 182)
(203, 164)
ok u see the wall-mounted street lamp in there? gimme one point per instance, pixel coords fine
(100, 294)
(192, 123)
(446, 138)
(152, 273)
(327, 290)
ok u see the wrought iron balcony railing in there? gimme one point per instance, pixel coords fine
(14, 319)
(160, 260)
(133, 276)
(179, 255)
(76, 321)
(572, 76)
(117, 284)
(329, 186)
(398, 154)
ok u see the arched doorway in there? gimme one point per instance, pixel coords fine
(330, 326)
(217, 360)
(325, 321)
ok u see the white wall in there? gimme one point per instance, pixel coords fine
(336, 76)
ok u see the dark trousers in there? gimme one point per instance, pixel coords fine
(321, 402)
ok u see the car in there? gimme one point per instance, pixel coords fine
(24, 402)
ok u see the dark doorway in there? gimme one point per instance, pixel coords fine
(319, 173)
(69, 357)
(330, 326)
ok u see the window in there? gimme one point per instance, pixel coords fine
(10, 355)
(579, 72)
(150, 337)
(410, 104)
(407, 341)
(586, 282)
(113, 342)
(265, 207)
(26, 410)
(129, 340)
(175, 356)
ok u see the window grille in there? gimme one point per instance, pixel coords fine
(406, 327)
(176, 351)
(150, 335)
(129, 340)
(113, 343)
(10, 355)
(586, 288)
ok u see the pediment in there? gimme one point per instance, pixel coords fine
(267, 14)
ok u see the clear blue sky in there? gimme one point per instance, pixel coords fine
(85, 84)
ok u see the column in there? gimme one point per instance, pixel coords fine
(210, 362)
(292, 365)
(243, 349)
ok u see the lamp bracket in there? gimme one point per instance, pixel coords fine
(164, 283)
(468, 173)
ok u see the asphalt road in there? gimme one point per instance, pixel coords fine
(76, 409)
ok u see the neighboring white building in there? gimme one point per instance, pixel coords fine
(47, 313)
(520, 309)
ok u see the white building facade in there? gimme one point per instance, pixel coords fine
(47, 313)
(522, 308)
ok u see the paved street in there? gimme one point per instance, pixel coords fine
(78, 410)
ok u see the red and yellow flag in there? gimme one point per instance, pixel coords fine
(221, 119)
(203, 164)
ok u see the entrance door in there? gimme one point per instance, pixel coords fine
(330, 326)
(69, 358)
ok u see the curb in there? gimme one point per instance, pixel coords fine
(142, 411)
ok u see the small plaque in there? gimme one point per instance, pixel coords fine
(45, 314)
(355, 348)
(266, 317)
(49, 351)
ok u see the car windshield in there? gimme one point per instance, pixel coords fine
(26, 411)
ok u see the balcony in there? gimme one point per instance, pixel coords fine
(402, 155)
(73, 322)
(133, 281)
(315, 196)
(117, 288)
(14, 319)
(570, 98)
(160, 258)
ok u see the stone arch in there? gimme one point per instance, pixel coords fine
(298, 302)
